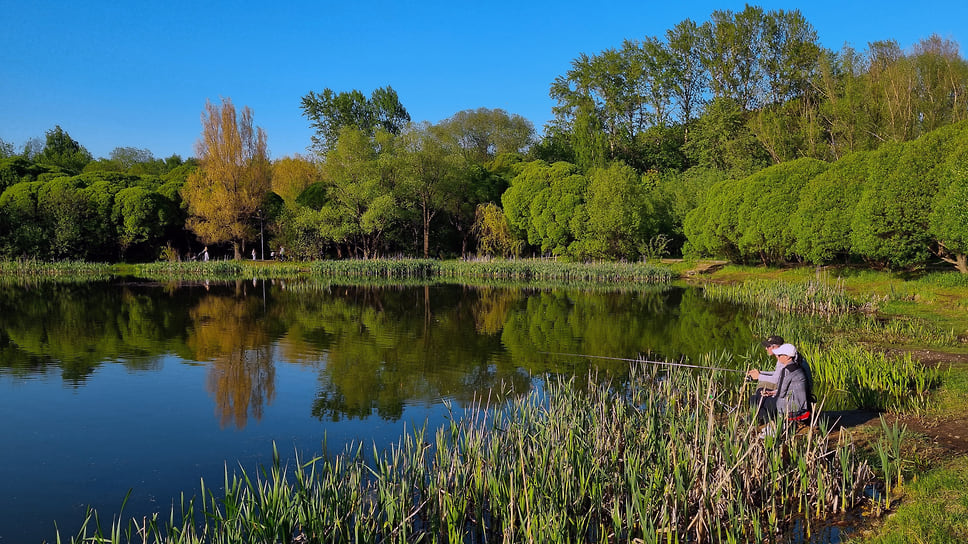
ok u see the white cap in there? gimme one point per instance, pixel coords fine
(785, 349)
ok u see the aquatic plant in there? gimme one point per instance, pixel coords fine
(667, 457)
(516, 270)
(31, 270)
(817, 295)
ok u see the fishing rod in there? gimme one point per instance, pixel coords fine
(659, 363)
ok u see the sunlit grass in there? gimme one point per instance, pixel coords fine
(32, 270)
(817, 295)
(934, 508)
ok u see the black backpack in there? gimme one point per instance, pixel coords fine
(802, 361)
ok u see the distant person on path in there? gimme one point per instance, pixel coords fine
(205, 254)
(253, 254)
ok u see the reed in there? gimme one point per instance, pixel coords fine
(815, 296)
(850, 376)
(520, 270)
(219, 270)
(33, 270)
(656, 459)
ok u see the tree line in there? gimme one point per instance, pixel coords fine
(658, 146)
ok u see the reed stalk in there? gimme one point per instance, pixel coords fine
(656, 459)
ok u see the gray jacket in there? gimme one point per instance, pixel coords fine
(791, 391)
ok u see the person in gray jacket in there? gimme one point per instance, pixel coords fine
(790, 398)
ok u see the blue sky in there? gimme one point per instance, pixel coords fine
(138, 73)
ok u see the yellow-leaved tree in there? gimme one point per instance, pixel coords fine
(291, 176)
(234, 175)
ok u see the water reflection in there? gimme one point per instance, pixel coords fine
(374, 350)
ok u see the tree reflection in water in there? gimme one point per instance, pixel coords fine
(374, 350)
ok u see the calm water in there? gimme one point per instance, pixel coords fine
(111, 387)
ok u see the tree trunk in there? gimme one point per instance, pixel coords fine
(961, 263)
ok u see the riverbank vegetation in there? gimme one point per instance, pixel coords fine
(919, 316)
(655, 459)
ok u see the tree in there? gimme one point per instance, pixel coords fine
(64, 152)
(494, 235)
(432, 173)
(771, 198)
(822, 220)
(547, 202)
(482, 134)
(127, 157)
(949, 212)
(362, 202)
(618, 214)
(6, 149)
(330, 112)
(689, 79)
(292, 175)
(138, 212)
(225, 193)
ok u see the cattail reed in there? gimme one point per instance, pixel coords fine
(663, 457)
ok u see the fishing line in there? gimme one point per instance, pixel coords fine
(659, 363)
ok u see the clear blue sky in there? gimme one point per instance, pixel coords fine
(138, 74)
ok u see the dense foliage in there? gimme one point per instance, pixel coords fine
(894, 207)
(737, 137)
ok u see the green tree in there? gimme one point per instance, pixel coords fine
(64, 152)
(494, 236)
(689, 78)
(362, 203)
(432, 173)
(822, 220)
(547, 202)
(26, 236)
(224, 194)
(722, 140)
(771, 199)
(64, 209)
(948, 221)
(482, 134)
(330, 112)
(140, 216)
(619, 214)
(890, 225)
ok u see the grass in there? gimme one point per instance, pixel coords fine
(32, 270)
(817, 295)
(516, 270)
(934, 509)
(662, 458)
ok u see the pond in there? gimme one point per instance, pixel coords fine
(111, 387)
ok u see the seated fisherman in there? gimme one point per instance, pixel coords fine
(791, 397)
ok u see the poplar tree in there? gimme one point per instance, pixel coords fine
(226, 191)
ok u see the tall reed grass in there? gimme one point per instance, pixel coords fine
(663, 458)
(415, 269)
(850, 376)
(220, 270)
(521, 270)
(32, 270)
(815, 296)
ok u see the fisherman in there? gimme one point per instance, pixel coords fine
(790, 398)
(768, 379)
